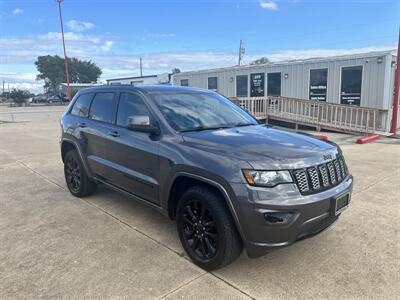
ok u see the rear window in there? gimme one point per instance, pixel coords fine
(104, 107)
(81, 106)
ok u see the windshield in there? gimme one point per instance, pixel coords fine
(200, 111)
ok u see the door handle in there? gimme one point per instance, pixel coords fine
(82, 125)
(113, 133)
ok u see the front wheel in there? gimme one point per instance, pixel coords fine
(78, 182)
(206, 229)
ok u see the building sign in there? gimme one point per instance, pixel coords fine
(318, 84)
(350, 92)
(257, 85)
(274, 84)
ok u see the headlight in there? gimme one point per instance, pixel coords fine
(267, 178)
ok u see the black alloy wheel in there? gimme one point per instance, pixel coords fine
(73, 174)
(200, 231)
(78, 182)
(206, 228)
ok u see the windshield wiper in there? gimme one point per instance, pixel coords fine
(202, 128)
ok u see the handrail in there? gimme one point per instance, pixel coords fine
(320, 114)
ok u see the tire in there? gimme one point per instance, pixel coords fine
(78, 182)
(205, 224)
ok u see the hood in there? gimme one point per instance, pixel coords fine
(263, 147)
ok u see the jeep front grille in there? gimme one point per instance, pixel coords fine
(318, 178)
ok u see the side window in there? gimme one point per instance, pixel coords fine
(130, 105)
(103, 108)
(81, 106)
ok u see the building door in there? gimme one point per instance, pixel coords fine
(242, 86)
(350, 92)
(318, 84)
(274, 84)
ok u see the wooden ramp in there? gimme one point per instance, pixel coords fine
(344, 118)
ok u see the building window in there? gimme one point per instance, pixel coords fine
(350, 92)
(257, 85)
(184, 82)
(318, 84)
(213, 83)
(242, 86)
(274, 84)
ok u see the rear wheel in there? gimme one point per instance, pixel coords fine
(78, 182)
(206, 229)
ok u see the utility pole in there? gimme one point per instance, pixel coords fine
(396, 91)
(65, 52)
(141, 67)
(3, 88)
(241, 52)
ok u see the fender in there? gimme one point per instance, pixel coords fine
(85, 165)
(220, 187)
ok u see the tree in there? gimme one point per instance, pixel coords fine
(19, 96)
(176, 70)
(260, 61)
(52, 70)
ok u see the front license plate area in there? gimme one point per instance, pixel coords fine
(341, 203)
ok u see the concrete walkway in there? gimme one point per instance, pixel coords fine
(53, 245)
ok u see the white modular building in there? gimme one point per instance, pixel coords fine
(365, 79)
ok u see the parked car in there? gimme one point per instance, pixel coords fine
(198, 158)
(39, 99)
(56, 99)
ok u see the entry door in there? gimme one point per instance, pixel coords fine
(351, 85)
(135, 154)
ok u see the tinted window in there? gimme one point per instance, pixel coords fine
(104, 107)
(257, 85)
(130, 105)
(318, 84)
(274, 84)
(213, 83)
(351, 85)
(81, 106)
(242, 86)
(184, 82)
(198, 111)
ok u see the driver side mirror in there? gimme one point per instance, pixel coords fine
(142, 123)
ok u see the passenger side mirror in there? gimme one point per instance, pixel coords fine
(141, 123)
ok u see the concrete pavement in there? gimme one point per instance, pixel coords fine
(53, 245)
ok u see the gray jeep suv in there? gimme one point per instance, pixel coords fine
(198, 158)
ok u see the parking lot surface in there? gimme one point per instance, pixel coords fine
(53, 245)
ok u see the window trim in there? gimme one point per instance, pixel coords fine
(340, 81)
(327, 82)
(74, 102)
(208, 83)
(247, 85)
(91, 103)
(280, 86)
(264, 89)
(151, 114)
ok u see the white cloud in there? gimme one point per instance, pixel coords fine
(271, 5)
(17, 11)
(107, 46)
(79, 26)
(97, 48)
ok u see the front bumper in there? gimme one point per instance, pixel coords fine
(306, 215)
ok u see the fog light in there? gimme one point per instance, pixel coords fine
(278, 217)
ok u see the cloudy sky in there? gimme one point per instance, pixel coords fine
(188, 34)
